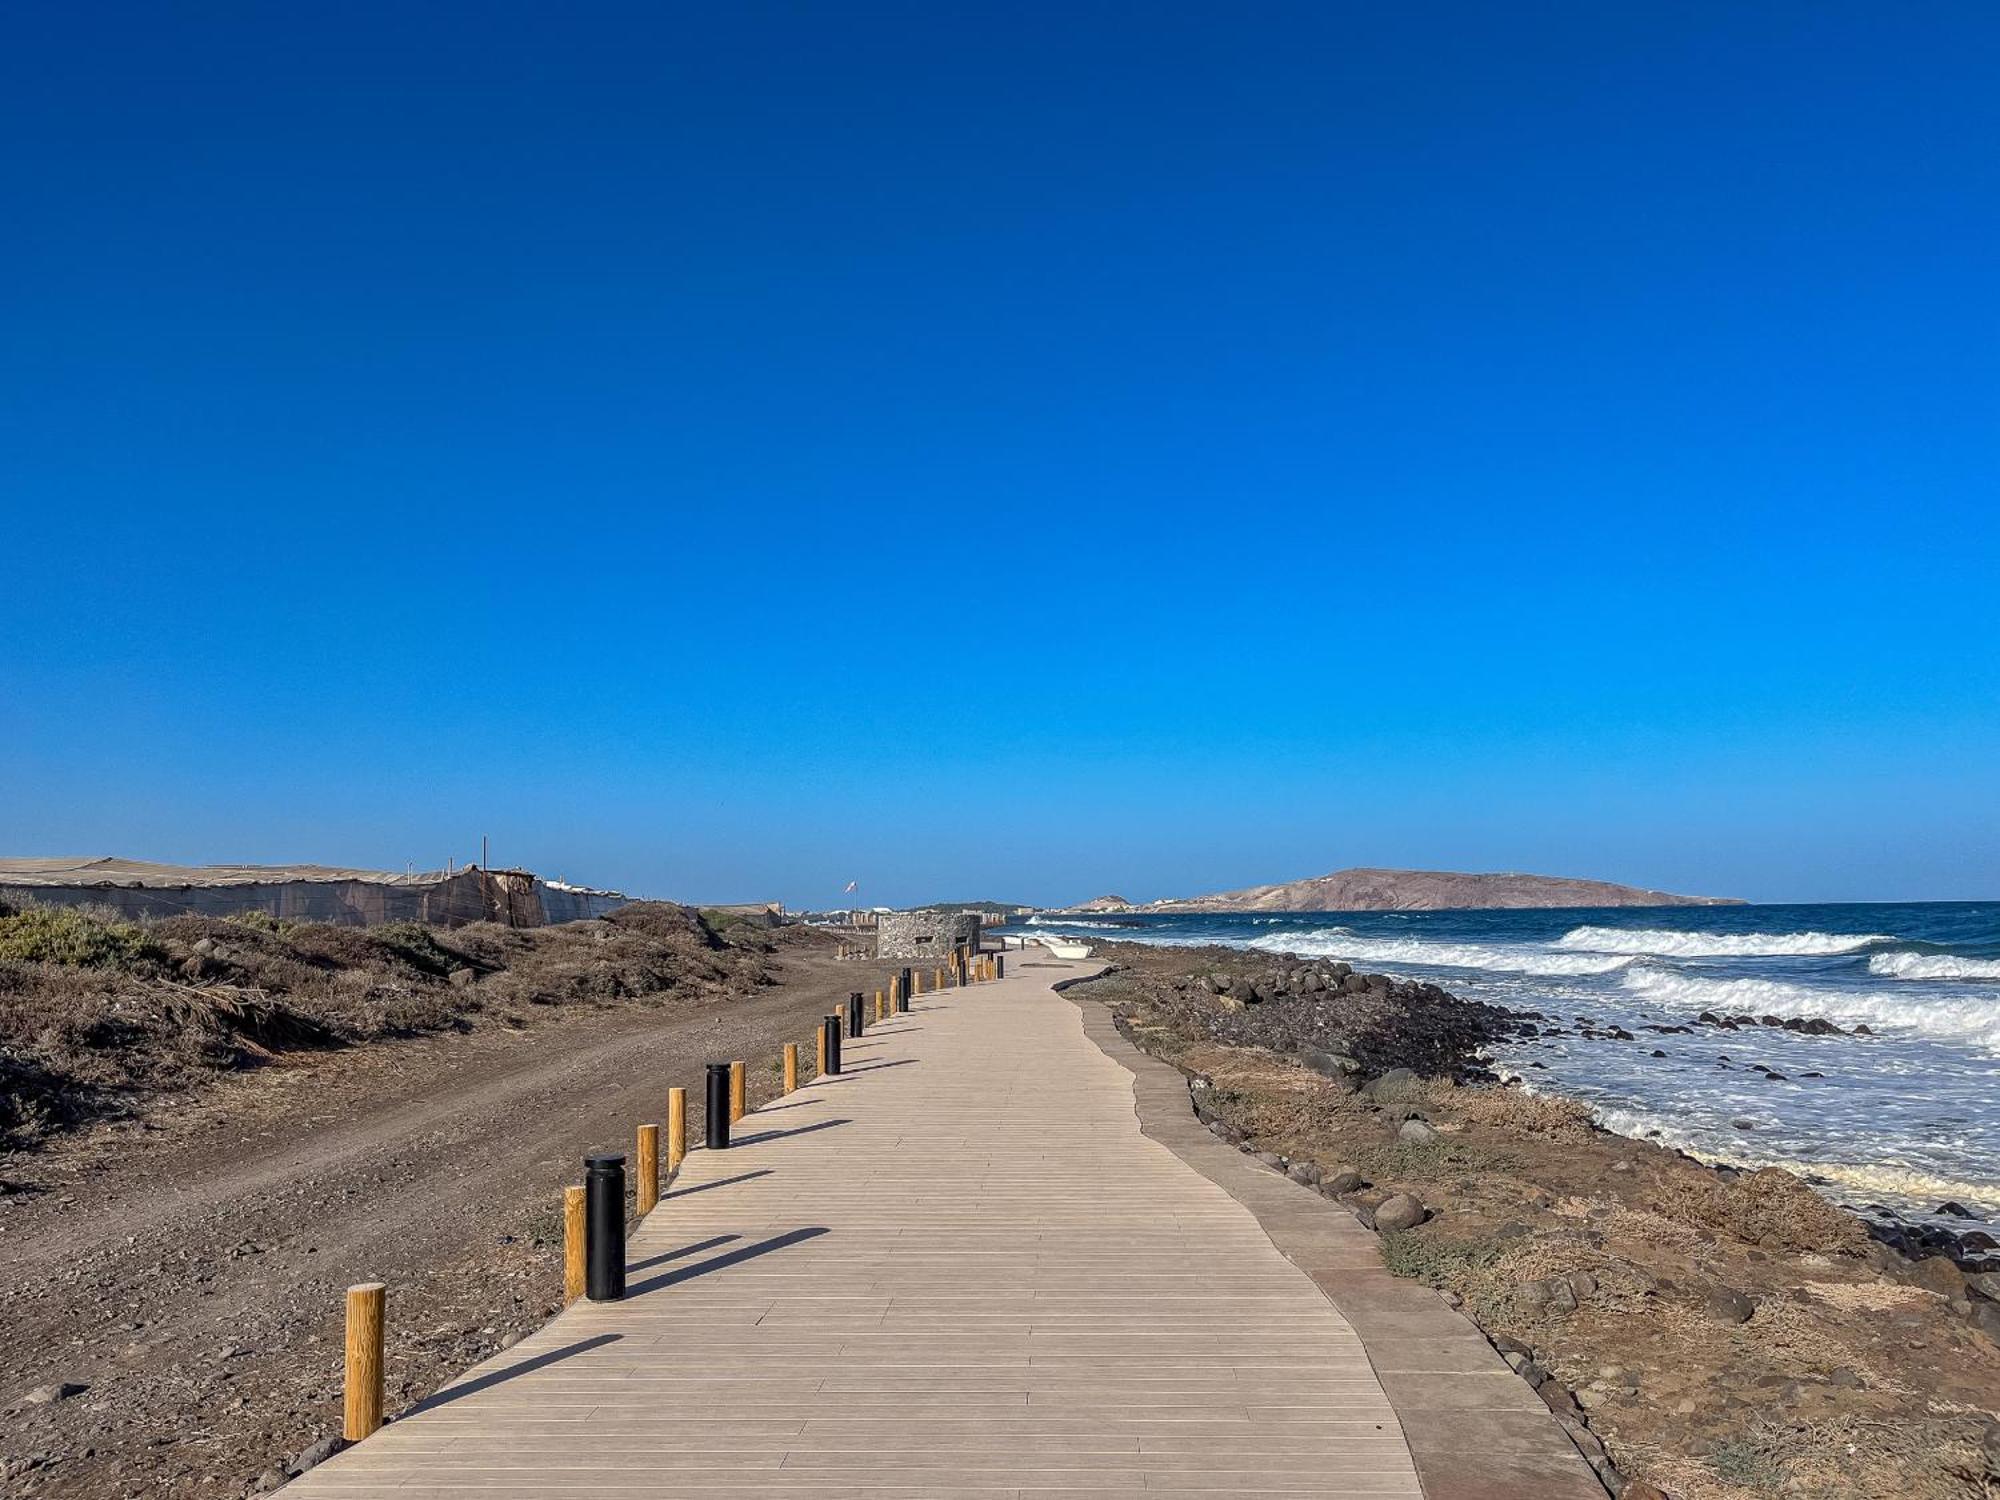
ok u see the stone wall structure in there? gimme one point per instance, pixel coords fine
(925, 934)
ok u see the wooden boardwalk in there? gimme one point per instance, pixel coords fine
(959, 1269)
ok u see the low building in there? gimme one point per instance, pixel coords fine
(929, 935)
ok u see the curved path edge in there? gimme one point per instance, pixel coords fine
(1475, 1429)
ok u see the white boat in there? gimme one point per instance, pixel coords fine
(1066, 948)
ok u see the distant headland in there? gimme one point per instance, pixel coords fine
(1411, 890)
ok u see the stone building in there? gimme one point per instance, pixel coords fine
(929, 935)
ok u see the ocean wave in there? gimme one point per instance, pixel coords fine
(1957, 1018)
(1658, 943)
(1933, 966)
(1336, 942)
(1078, 922)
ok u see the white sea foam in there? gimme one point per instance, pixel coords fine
(1077, 922)
(1933, 966)
(1973, 1018)
(1862, 1180)
(1658, 943)
(1336, 942)
(1890, 1180)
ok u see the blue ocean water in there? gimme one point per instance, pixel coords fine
(1908, 1117)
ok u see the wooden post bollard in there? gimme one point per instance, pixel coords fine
(820, 1064)
(880, 1014)
(573, 1263)
(917, 982)
(363, 1406)
(646, 1162)
(739, 1092)
(677, 1129)
(791, 1067)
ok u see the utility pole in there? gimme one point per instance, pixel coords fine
(485, 860)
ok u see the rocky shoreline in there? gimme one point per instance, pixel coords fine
(1699, 1329)
(1342, 1022)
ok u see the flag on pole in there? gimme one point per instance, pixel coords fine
(849, 887)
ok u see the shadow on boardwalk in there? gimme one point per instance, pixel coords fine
(723, 1262)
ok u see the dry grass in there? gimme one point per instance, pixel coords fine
(1769, 1208)
(1513, 1110)
(1871, 1296)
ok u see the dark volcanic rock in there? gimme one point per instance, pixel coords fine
(1353, 1025)
(1727, 1305)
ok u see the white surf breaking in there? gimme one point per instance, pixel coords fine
(1338, 943)
(1933, 966)
(1956, 1018)
(1662, 943)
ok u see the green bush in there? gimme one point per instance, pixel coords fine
(1742, 1461)
(1420, 1258)
(417, 947)
(262, 921)
(80, 939)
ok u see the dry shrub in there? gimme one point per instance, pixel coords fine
(668, 923)
(1691, 1479)
(96, 1012)
(1868, 1296)
(1800, 1341)
(1850, 1457)
(1652, 1229)
(1512, 1109)
(1771, 1208)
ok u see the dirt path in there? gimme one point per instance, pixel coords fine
(188, 1269)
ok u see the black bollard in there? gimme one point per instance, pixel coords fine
(604, 1227)
(718, 1106)
(831, 1026)
(905, 977)
(900, 995)
(854, 1021)
(999, 966)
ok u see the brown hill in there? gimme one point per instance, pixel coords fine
(1102, 903)
(1430, 890)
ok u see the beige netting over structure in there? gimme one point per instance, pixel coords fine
(309, 893)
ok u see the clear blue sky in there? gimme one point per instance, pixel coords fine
(1014, 451)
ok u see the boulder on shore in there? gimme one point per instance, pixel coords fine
(1400, 1211)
